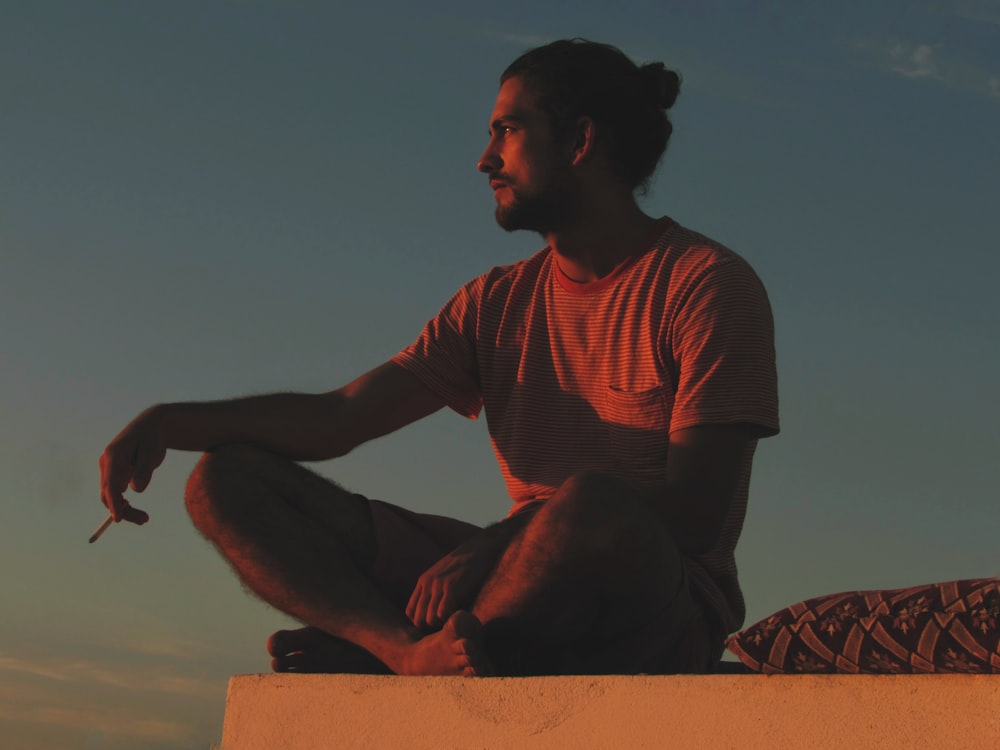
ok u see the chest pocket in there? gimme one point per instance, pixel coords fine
(641, 410)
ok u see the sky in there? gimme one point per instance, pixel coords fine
(201, 200)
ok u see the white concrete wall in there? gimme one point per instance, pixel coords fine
(855, 712)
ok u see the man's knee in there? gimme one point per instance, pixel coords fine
(601, 501)
(612, 516)
(209, 488)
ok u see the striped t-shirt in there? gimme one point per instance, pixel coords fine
(593, 377)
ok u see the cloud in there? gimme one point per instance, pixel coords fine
(981, 11)
(151, 644)
(129, 705)
(131, 678)
(98, 720)
(928, 62)
(11, 664)
(913, 61)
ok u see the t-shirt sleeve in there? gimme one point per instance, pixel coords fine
(723, 349)
(444, 356)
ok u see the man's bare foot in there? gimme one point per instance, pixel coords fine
(312, 650)
(456, 649)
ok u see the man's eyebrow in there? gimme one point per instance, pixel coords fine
(506, 120)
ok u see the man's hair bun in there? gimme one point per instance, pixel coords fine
(664, 84)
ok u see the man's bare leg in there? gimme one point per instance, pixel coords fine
(302, 544)
(595, 563)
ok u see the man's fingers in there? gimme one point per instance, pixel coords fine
(413, 606)
(439, 602)
(114, 501)
(144, 463)
(423, 604)
(120, 508)
(425, 610)
(445, 609)
(140, 480)
(134, 515)
(115, 477)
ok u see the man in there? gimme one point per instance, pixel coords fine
(626, 370)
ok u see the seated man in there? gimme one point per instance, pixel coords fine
(626, 371)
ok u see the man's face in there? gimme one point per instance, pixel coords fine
(528, 167)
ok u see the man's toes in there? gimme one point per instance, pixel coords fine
(279, 643)
(290, 641)
(467, 645)
(281, 664)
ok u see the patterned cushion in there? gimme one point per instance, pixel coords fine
(942, 627)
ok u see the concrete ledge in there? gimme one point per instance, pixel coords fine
(718, 711)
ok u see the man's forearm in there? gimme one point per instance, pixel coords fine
(302, 427)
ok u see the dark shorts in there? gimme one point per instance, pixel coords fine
(684, 637)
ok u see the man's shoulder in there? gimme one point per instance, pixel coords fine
(526, 272)
(683, 244)
(682, 256)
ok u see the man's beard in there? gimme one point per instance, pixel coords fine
(541, 212)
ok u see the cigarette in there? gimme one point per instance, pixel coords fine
(102, 528)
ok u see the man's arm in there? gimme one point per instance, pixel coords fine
(302, 427)
(703, 474)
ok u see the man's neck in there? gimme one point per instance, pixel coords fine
(600, 240)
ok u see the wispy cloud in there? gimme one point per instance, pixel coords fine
(132, 678)
(913, 61)
(11, 664)
(982, 11)
(129, 705)
(98, 720)
(162, 645)
(928, 62)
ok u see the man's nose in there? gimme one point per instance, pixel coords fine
(489, 161)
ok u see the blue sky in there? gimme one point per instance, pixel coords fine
(205, 199)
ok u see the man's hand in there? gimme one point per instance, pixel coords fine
(449, 585)
(454, 581)
(130, 459)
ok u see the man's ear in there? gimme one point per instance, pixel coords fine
(584, 140)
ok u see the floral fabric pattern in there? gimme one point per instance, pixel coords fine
(941, 627)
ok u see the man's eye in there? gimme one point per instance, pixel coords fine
(502, 131)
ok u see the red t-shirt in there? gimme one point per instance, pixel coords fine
(594, 377)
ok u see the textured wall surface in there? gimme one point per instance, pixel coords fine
(718, 711)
